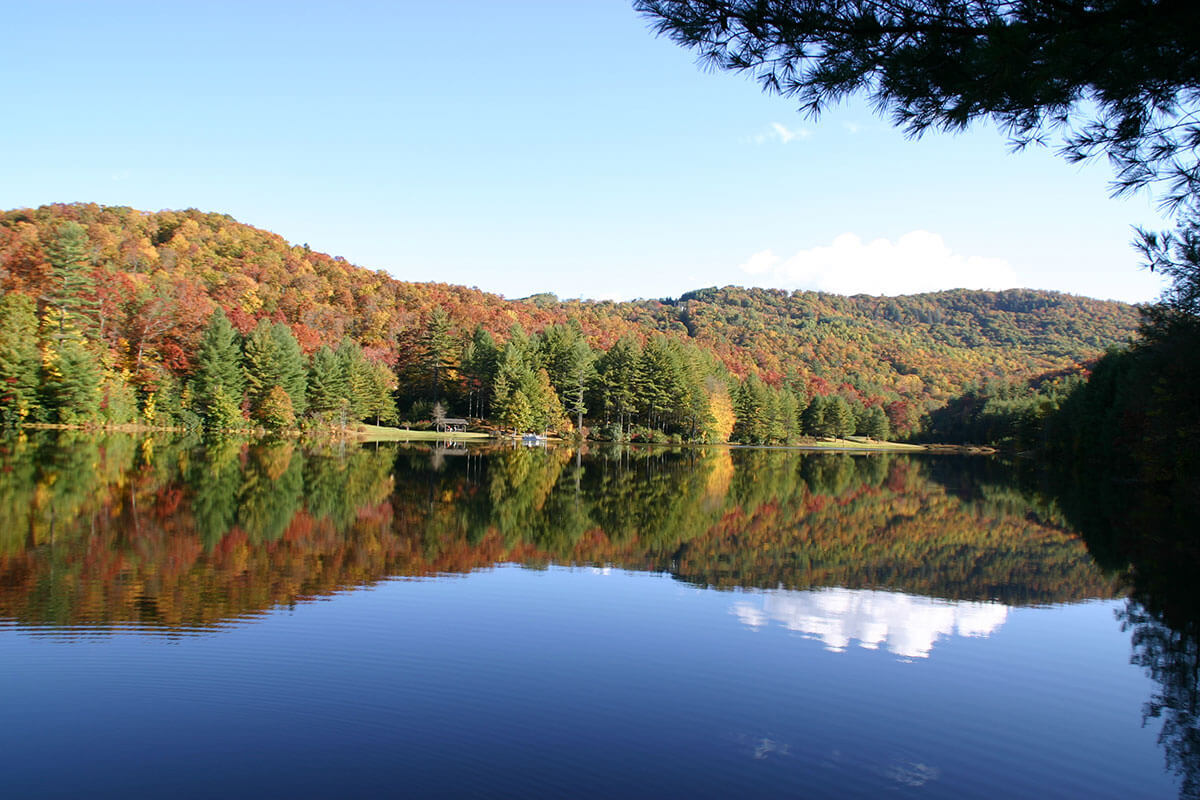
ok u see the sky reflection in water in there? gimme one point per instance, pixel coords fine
(334, 623)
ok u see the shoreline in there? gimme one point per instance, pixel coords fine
(373, 433)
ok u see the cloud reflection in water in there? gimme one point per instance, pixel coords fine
(906, 625)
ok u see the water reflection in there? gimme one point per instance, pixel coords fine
(1148, 532)
(905, 625)
(164, 533)
(164, 536)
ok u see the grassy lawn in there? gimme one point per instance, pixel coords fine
(860, 443)
(378, 433)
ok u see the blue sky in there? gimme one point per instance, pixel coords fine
(530, 146)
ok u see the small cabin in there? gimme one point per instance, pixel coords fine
(451, 425)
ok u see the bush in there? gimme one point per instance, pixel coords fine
(610, 433)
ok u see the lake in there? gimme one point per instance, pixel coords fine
(436, 621)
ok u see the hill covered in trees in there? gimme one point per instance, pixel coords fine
(181, 317)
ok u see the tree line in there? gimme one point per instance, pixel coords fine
(659, 389)
(55, 368)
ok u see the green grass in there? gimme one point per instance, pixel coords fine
(860, 443)
(378, 433)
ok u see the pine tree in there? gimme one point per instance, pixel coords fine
(479, 359)
(72, 291)
(438, 351)
(293, 369)
(357, 376)
(616, 371)
(379, 403)
(19, 359)
(751, 406)
(222, 411)
(328, 383)
(70, 385)
(517, 412)
(545, 409)
(815, 419)
(875, 424)
(219, 380)
(273, 358)
(840, 416)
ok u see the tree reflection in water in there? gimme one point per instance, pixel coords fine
(1171, 657)
(161, 535)
(1148, 533)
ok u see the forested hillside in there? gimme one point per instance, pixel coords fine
(109, 315)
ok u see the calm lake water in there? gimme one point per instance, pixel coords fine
(379, 620)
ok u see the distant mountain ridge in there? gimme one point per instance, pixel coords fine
(917, 350)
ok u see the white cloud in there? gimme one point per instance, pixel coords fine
(787, 134)
(918, 261)
(782, 134)
(907, 625)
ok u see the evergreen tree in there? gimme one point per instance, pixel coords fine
(516, 411)
(357, 377)
(219, 380)
(510, 404)
(439, 353)
(656, 383)
(840, 417)
(751, 407)
(545, 409)
(222, 412)
(1031, 66)
(72, 290)
(875, 424)
(616, 372)
(328, 384)
(816, 420)
(479, 359)
(70, 379)
(273, 358)
(568, 360)
(292, 367)
(20, 360)
(783, 416)
(378, 402)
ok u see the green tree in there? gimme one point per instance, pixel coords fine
(357, 377)
(275, 411)
(515, 411)
(616, 373)
(273, 358)
(72, 290)
(219, 379)
(839, 417)
(568, 360)
(70, 384)
(815, 419)
(875, 424)
(751, 411)
(328, 384)
(19, 359)
(377, 400)
(439, 351)
(479, 358)
(222, 412)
